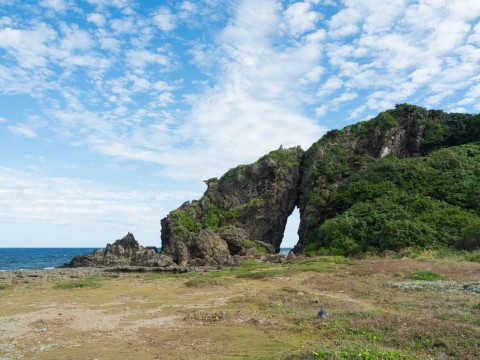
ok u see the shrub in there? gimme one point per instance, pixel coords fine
(473, 256)
(183, 220)
(426, 275)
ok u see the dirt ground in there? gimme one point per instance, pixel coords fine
(372, 309)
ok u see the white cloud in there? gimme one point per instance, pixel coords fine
(187, 9)
(436, 98)
(321, 110)
(96, 18)
(141, 58)
(348, 96)
(250, 110)
(329, 87)
(57, 5)
(377, 41)
(29, 47)
(75, 39)
(114, 3)
(300, 18)
(110, 43)
(122, 26)
(22, 130)
(3, 120)
(474, 92)
(164, 19)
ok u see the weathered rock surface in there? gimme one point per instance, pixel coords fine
(124, 252)
(247, 208)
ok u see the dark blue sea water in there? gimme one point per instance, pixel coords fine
(37, 258)
(45, 258)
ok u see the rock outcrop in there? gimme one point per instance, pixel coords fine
(123, 252)
(245, 211)
(247, 208)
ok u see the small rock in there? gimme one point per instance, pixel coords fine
(41, 330)
(322, 314)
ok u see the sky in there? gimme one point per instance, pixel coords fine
(113, 113)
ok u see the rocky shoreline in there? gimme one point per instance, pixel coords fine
(51, 275)
(66, 274)
(123, 258)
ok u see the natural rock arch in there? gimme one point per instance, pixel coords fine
(248, 207)
(245, 210)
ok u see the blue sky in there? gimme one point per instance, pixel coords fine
(112, 113)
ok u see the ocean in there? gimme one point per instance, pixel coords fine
(37, 258)
(46, 258)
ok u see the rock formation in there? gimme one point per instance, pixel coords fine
(246, 210)
(123, 252)
(330, 161)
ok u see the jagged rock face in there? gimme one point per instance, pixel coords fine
(123, 252)
(122, 249)
(248, 207)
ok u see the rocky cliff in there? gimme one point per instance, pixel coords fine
(246, 210)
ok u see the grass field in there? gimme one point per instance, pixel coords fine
(376, 308)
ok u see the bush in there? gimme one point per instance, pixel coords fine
(426, 275)
(473, 256)
(471, 238)
(185, 221)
